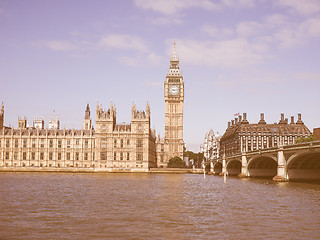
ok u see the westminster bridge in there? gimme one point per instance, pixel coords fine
(283, 163)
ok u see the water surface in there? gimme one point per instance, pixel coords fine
(155, 206)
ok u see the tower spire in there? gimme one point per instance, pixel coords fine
(174, 57)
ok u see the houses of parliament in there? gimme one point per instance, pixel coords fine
(107, 147)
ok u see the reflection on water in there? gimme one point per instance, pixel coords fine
(155, 206)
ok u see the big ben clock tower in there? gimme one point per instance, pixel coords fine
(174, 98)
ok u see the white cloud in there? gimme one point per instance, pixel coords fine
(143, 59)
(169, 7)
(250, 28)
(238, 3)
(58, 45)
(303, 7)
(217, 32)
(166, 20)
(228, 53)
(123, 41)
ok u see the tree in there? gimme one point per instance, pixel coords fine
(176, 162)
(310, 138)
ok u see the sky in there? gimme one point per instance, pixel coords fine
(236, 56)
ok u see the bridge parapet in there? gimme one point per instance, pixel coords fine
(296, 161)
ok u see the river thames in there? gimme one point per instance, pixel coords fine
(155, 206)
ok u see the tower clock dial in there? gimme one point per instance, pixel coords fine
(174, 90)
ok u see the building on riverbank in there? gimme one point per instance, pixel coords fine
(109, 147)
(211, 146)
(242, 136)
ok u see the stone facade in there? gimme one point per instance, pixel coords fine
(241, 136)
(172, 144)
(109, 147)
(211, 146)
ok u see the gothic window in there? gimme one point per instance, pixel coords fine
(128, 143)
(68, 156)
(139, 128)
(85, 156)
(24, 143)
(68, 143)
(24, 155)
(41, 156)
(103, 143)
(50, 155)
(121, 143)
(42, 143)
(115, 143)
(139, 143)
(86, 143)
(16, 143)
(77, 142)
(33, 156)
(139, 157)
(77, 156)
(128, 156)
(115, 156)
(121, 156)
(7, 155)
(33, 143)
(51, 143)
(7, 143)
(59, 143)
(59, 156)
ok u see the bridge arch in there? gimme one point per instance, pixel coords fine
(217, 168)
(233, 167)
(263, 166)
(304, 166)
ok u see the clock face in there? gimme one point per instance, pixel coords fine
(174, 90)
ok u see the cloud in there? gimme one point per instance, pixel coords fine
(305, 7)
(166, 20)
(57, 45)
(250, 28)
(123, 41)
(238, 3)
(170, 7)
(217, 32)
(228, 53)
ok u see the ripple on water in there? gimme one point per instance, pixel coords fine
(157, 206)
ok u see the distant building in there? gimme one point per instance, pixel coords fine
(316, 133)
(241, 136)
(211, 146)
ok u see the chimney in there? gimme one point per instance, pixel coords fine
(240, 118)
(236, 121)
(229, 123)
(282, 121)
(299, 119)
(245, 118)
(262, 121)
(232, 122)
(292, 120)
(286, 120)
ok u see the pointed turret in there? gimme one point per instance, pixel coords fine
(87, 119)
(148, 110)
(87, 112)
(2, 116)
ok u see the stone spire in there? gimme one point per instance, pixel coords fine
(174, 56)
(148, 110)
(87, 112)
